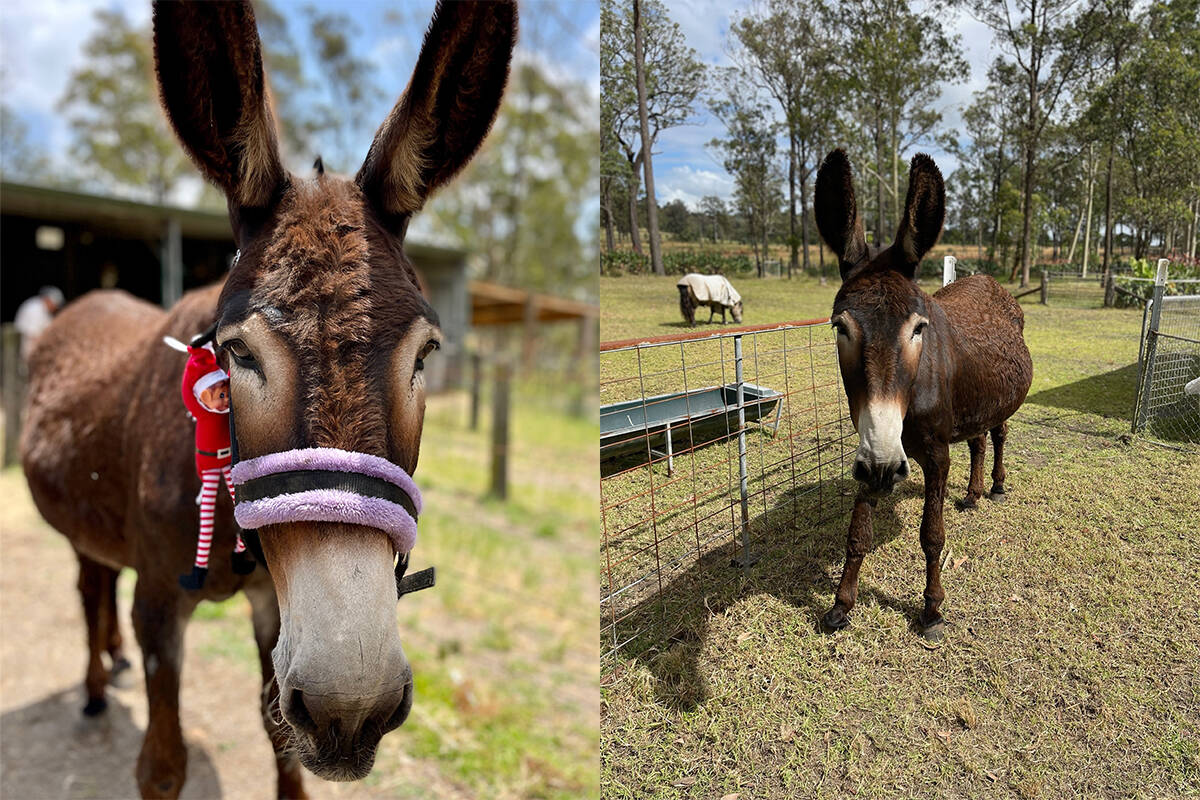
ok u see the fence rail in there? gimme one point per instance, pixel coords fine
(713, 447)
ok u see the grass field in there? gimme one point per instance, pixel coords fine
(1069, 665)
(503, 650)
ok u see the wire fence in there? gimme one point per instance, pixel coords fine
(1168, 398)
(711, 446)
(1073, 289)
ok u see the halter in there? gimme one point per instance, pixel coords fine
(325, 484)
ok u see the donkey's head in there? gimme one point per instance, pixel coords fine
(325, 329)
(880, 313)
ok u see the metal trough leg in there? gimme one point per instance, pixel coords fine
(670, 453)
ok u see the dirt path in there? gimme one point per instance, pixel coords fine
(49, 750)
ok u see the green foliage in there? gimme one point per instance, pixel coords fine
(518, 202)
(625, 262)
(111, 105)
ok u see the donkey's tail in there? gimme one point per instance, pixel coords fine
(686, 306)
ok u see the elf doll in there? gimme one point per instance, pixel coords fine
(206, 395)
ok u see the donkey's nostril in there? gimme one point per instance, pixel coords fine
(397, 717)
(902, 471)
(861, 472)
(297, 713)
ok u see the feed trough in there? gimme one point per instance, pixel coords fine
(637, 429)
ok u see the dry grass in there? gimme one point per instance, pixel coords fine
(1069, 666)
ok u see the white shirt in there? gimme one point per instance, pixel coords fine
(32, 318)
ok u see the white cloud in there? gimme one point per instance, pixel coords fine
(691, 185)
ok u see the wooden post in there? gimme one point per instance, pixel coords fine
(1110, 291)
(584, 364)
(529, 329)
(1045, 286)
(14, 394)
(476, 388)
(499, 487)
(948, 264)
(172, 263)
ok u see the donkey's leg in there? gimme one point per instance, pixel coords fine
(160, 614)
(858, 542)
(265, 616)
(999, 434)
(978, 448)
(936, 466)
(96, 586)
(116, 650)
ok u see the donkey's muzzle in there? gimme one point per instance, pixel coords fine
(325, 484)
(880, 478)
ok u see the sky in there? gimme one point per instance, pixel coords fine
(686, 169)
(41, 44)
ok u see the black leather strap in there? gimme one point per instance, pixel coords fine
(363, 484)
(301, 480)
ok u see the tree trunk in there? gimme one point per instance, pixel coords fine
(1087, 234)
(879, 177)
(647, 143)
(606, 201)
(1027, 218)
(1075, 238)
(635, 235)
(794, 263)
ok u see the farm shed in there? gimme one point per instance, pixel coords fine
(79, 242)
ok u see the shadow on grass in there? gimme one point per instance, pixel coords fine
(796, 559)
(1109, 394)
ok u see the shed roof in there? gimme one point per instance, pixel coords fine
(493, 304)
(134, 218)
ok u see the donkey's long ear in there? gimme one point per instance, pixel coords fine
(924, 212)
(210, 76)
(446, 111)
(837, 213)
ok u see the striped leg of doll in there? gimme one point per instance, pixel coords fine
(209, 478)
(227, 471)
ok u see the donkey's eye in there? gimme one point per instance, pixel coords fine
(919, 329)
(429, 347)
(840, 327)
(241, 354)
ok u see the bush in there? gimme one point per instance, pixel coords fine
(624, 262)
(1142, 271)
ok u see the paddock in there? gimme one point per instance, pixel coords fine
(1067, 668)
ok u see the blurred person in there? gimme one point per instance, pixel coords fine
(35, 314)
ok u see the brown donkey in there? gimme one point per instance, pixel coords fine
(920, 371)
(324, 329)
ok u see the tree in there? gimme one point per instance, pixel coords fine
(676, 219)
(517, 204)
(749, 155)
(1049, 44)
(674, 78)
(348, 89)
(783, 47)
(902, 59)
(639, 68)
(20, 159)
(714, 211)
(111, 105)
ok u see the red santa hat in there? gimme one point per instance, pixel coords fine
(205, 359)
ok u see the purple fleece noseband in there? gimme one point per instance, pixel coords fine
(348, 498)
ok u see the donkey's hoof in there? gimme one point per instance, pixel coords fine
(997, 495)
(934, 632)
(967, 504)
(95, 706)
(119, 665)
(835, 619)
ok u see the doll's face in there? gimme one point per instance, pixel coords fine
(216, 396)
